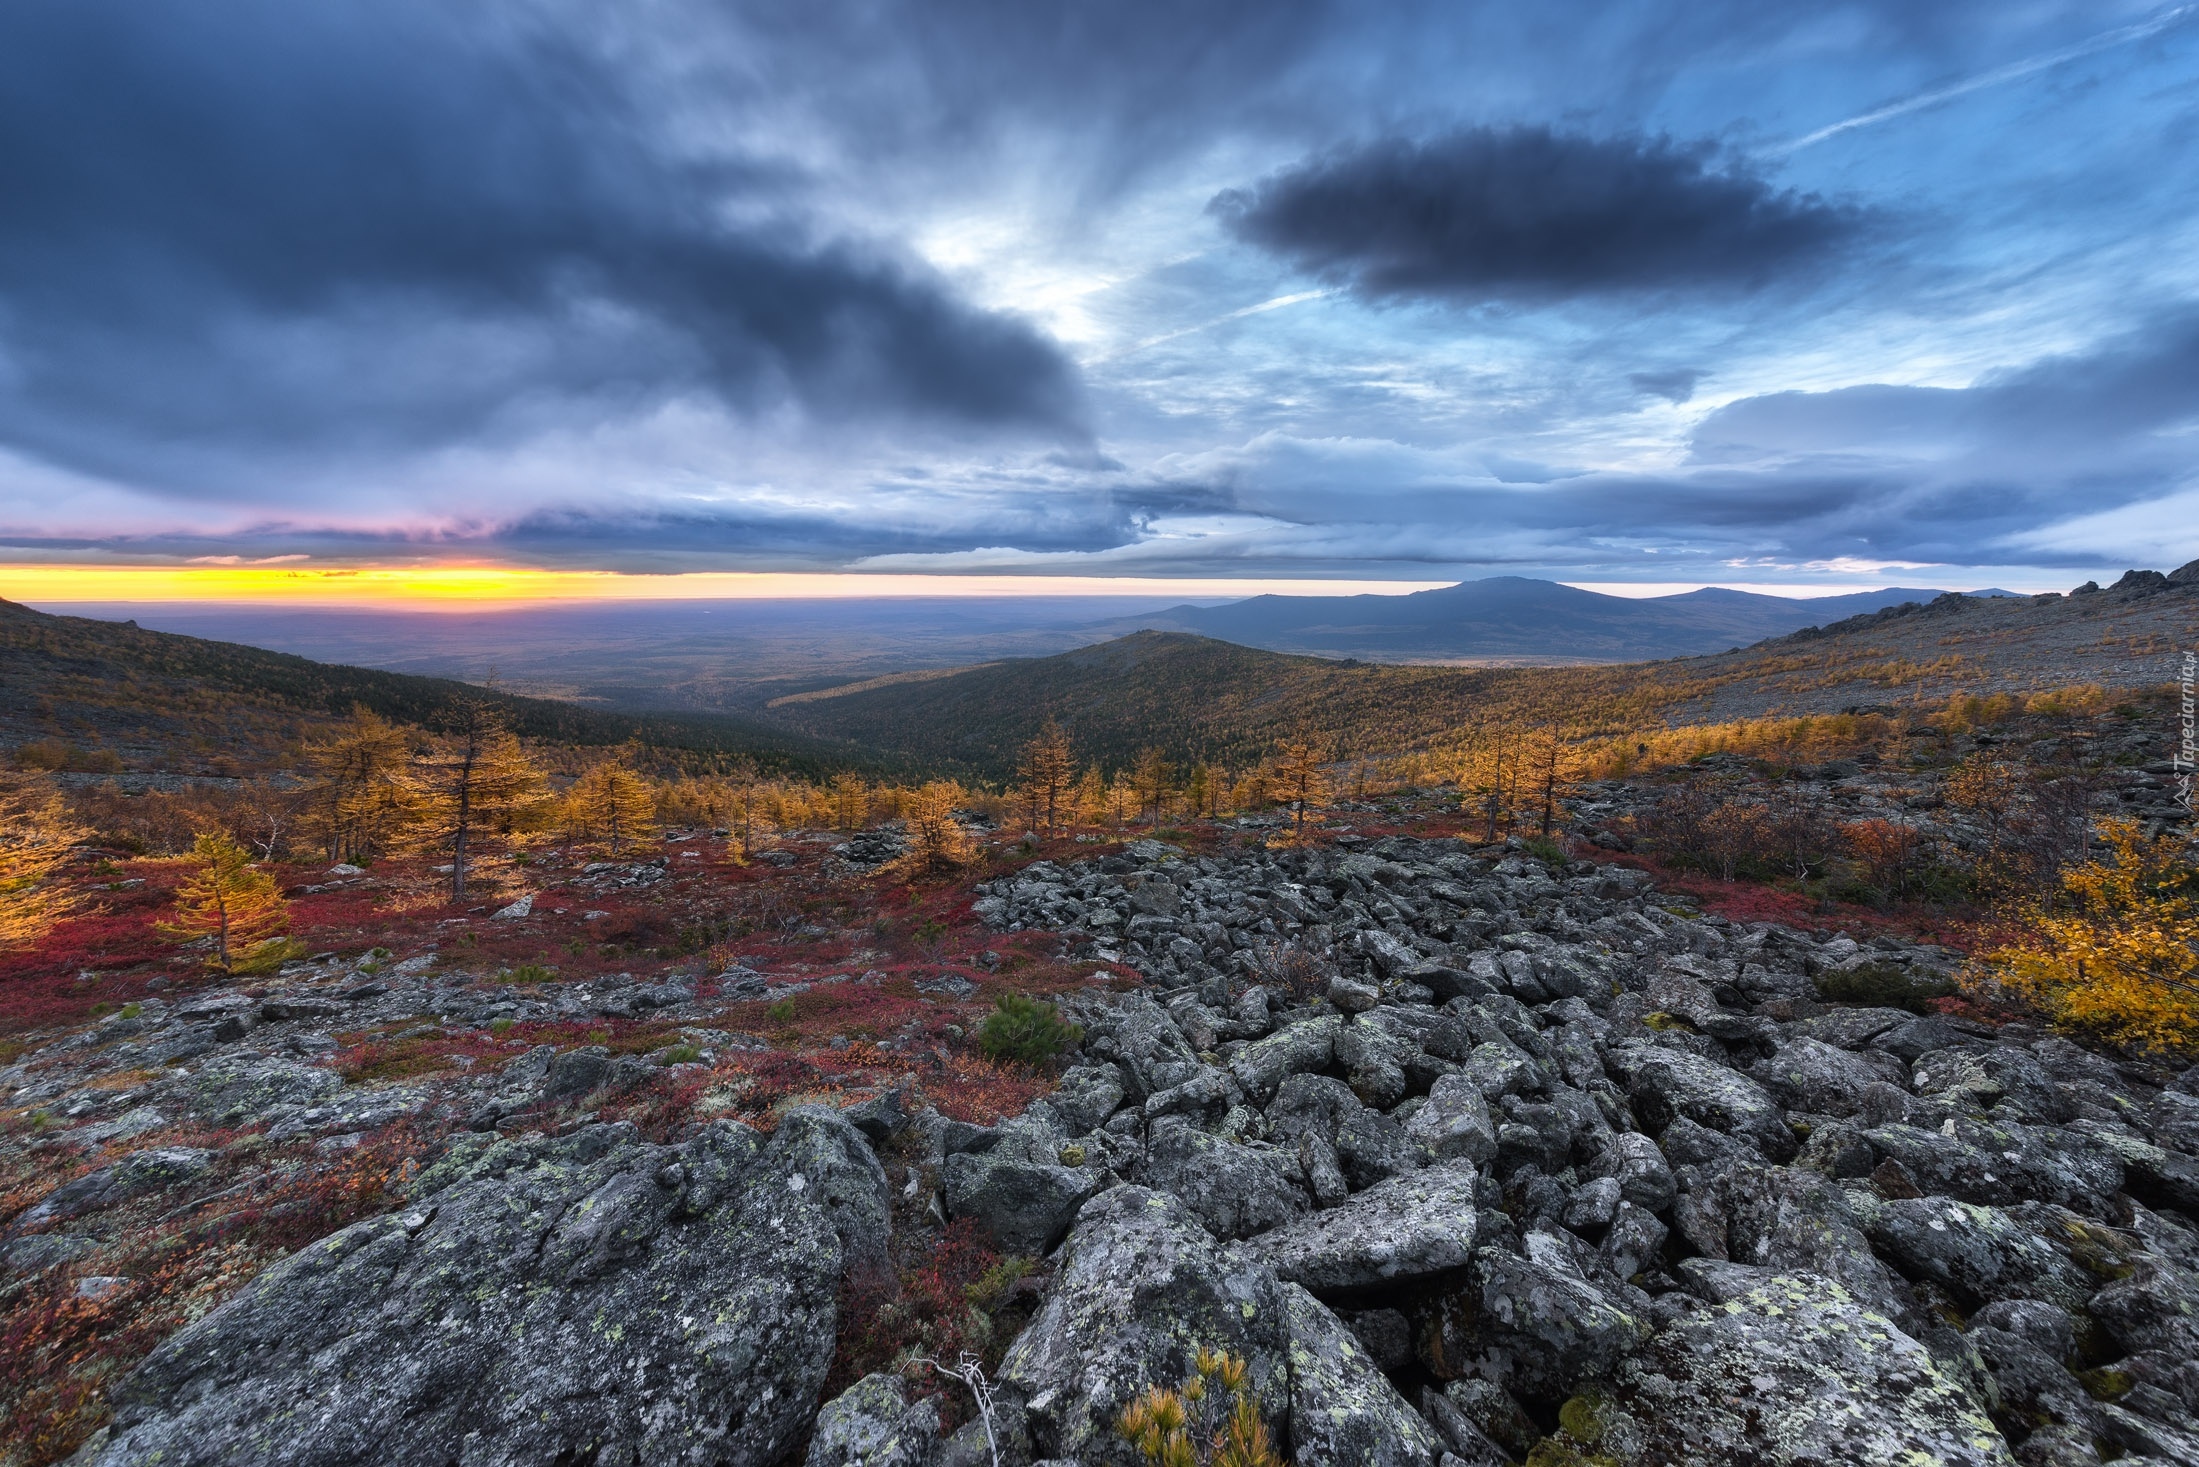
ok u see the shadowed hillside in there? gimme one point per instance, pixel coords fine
(152, 695)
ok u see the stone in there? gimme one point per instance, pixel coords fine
(1088, 1095)
(1402, 1229)
(1811, 1075)
(1368, 1145)
(1141, 1287)
(1303, 1048)
(1978, 1253)
(1350, 996)
(1537, 1321)
(246, 1089)
(1025, 1206)
(1792, 1372)
(2155, 1308)
(1669, 1084)
(578, 1072)
(1343, 1410)
(1639, 1167)
(545, 1300)
(1152, 1051)
(873, 1424)
(1235, 1190)
(1454, 1125)
(133, 1176)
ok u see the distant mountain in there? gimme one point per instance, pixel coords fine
(1516, 619)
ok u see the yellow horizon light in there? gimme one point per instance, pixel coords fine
(443, 586)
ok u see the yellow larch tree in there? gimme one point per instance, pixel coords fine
(236, 905)
(358, 798)
(2117, 954)
(612, 803)
(36, 836)
(477, 790)
(1047, 771)
(937, 841)
(1299, 783)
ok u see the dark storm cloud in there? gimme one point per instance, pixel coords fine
(1675, 385)
(1490, 213)
(263, 223)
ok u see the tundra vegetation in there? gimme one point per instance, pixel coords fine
(1533, 1090)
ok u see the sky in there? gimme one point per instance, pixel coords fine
(1637, 292)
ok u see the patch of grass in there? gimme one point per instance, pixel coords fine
(1883, 986)
(527, 973)
(1025, 1031)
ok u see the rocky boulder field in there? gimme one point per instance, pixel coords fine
(1469, 1160)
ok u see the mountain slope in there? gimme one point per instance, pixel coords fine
(1514, 618)
(145, 695)
(1198, 698)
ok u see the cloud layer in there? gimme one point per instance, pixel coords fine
(1200, 286)
(1488, 213)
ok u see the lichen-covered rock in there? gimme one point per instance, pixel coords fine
(1141, 1288)
(1235, 1189)
(1087, 1096)
(1152, 1051)
(873, 1424)
(1368, 1145)
(1811, 1075)
(247, 1088)
(1454, 1125)
(2155, 1308)
(1639, 1167)
(1295, 1049)
(1793, 1221)
(1978, 1253)
(2003, 1164)
(133, 1176)
(1536, 1321)
(1027, 1206)
(1794, 1372)
(1407, 1227)
(1668, 1084)
(593, 1298)
(1343, 1411)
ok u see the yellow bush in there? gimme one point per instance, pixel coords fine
(1213, 1421)
(2116, 951)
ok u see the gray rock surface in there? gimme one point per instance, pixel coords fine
(593, 1298)
(1792, 1372)
(1403, 1228)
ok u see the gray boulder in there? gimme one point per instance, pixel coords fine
(1295, 1049)
(1027, 1206)
(1367, 1145)
(1535, 1321)
(592, 1298)
(1235, 1189)
(1809, 1074)
(1141, 1288)
(1343, 1411)
(1151, 1050)
(1087, 1096)
(873, 1424)
(239, 1091)
(1407, 1227)
(1793, 1372)
(1454, 1125)
(1980, 1254)
(1639, 1167)
(1669, 1084)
